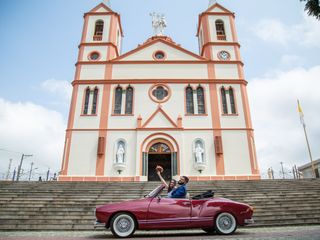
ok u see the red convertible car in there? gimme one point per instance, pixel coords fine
(154, 212)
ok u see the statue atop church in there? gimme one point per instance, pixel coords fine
(158, 23)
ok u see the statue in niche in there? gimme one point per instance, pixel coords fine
(158, 23)
(199, 151)
(120, 153)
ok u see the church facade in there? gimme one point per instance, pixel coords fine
(159, 104)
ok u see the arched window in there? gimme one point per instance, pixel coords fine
(86, 101)
(129, 100)
(200, 98)
(232, 102)
(224, 101)
(118, 100)
(159, 148)
(94, 102)
(221, 34)
(98, 31)
(189, 100)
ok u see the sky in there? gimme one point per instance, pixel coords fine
(39, 46)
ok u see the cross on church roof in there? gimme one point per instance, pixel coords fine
(212, 2)
(107, 3)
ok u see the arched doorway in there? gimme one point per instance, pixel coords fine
(159, 154)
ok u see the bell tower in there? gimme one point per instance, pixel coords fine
(101, 36)
(216, 32)
(218, 42)
(100, 42)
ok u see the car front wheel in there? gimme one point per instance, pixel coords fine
(225, 223)
(123, 225)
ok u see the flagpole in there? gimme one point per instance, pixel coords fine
(305, 133)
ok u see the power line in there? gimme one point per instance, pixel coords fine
(6, 150)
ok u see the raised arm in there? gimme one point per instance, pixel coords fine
(162, 180)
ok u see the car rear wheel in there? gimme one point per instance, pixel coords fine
(209, 230)
(225, 223)
(123, 225)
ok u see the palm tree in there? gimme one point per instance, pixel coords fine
(313, 8)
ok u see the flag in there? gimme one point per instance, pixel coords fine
(301, 114)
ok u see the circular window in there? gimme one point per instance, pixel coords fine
(159, 93)
(159, 55)
(94, 56)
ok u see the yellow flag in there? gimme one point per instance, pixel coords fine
(301, 114)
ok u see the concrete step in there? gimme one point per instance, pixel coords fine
(70, 205)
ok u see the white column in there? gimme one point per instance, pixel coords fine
(195, 102)
(123, 103)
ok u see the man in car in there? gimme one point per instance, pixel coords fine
(181, 191)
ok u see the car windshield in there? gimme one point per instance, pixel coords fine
(155, 191)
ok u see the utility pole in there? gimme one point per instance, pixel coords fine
(30, 171)
(14, 175)
(20, 165)
(48, 172)
(282, 170)
(9, 168)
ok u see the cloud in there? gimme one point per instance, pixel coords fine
(58, 88)
(306, 33)
(290, 60)
(272, 30)
(31, 129)
(279, 134)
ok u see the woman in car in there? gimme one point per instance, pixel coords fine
(172, 184)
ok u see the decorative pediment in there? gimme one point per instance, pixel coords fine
(163, 45)
(101, 8)
(159, 119)
(217, 8)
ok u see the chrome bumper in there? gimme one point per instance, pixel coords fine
(97, 224)
(249, 221)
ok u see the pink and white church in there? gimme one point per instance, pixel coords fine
(159, 104)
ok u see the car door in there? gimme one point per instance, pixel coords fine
(169, 213)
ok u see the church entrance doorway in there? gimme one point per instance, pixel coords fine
(159, 154)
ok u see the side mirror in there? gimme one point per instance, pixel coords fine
(159, 198)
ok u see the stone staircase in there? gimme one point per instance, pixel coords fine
(70, 205)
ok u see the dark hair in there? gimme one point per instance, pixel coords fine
(186, 178)
(171, 188)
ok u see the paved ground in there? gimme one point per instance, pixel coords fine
(295, 233)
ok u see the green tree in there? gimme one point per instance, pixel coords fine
(312, 7)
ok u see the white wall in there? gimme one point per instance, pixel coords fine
(147, 53)
(226, 71)
(83, 154)
(236, 153)
(92, 72)
(160, 71)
